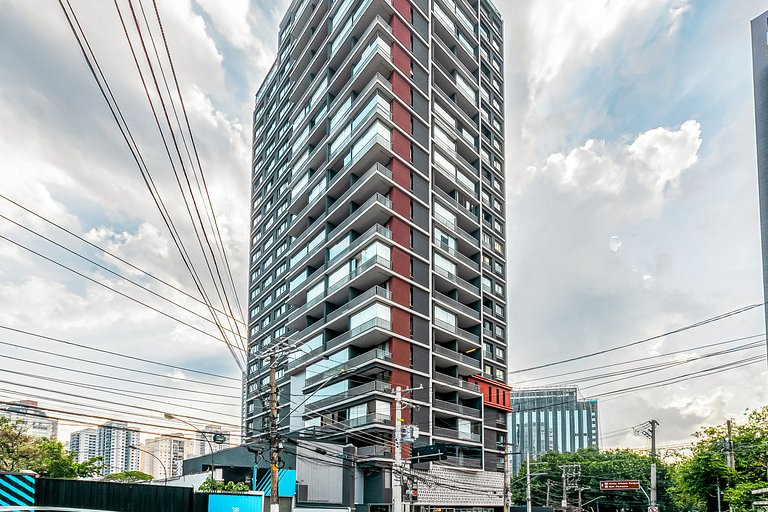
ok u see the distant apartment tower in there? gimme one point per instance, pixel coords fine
(84, 444)
(34, 419)
(760, 77)
(378, 229)
(550, 419)
(161, 456)
(114, 440)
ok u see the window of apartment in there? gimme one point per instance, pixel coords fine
(498, 288)
(499, 332)
(498, 310)
(445, 214)
(488, 349)
(338, 275)
(445, 316)
(316, 291)
(487, 369)
(488, 326)
(375, 250)
(445, 264)
(500, 353)
(444, 239)
(499, 374)
(339, 246)
(372, 313)
(498, 247)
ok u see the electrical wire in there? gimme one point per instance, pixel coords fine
(117, 354)
(109, 253)
(646, 340)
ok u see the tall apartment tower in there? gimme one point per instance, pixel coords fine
(113, 443)
(551, 419)
(378, 234)
(161, 456)
(84, 443)
(760, 77)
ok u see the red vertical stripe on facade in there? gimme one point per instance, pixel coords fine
(403, 7)
(400, 173)
(401, 234)
(401, 203)
(400, 87)
(401, 117)
(401, 31)
(401, 60)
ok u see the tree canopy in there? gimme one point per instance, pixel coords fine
(697, 477)
(595, 466)
(20, 451)
(128, 477)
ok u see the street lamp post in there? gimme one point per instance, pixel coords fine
(165, 471)
(595, 499)
(170, 417)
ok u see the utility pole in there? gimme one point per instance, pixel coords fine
(648, 429)
(549, 487)
(731, 458)
(506, 477)
(274, 444)
(528, 481)
(571, 475)
(397, 468)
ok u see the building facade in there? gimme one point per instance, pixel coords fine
(113, 443)
(378, 232)
(33, 419)
(760, 78)
(162, 456)
(550, 419)
(84, 444)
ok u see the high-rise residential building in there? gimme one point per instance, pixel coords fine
(84, 444)
(378, 229)
(113, 443)
(550, 419)
(760, 78)
(161, 456)
(33, 419)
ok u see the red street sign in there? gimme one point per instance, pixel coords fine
(619, 485)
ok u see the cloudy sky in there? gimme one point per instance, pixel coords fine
(632, 201)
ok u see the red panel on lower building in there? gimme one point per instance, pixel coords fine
(495, 394)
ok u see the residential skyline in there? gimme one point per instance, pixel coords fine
(614, 244)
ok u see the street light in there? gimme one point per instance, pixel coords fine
(595, 499)
(165, 471)
(171, 417)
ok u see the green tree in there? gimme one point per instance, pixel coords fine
(213, 485)
(128, 477)
(595, 466)
(696, 477)
(21, 451)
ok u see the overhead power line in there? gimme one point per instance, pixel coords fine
(117, 115)
(107, 269)
(646, 340)
(629, 361)
(117, 354)
(99, 283)
(225, 299)
(109, 253)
